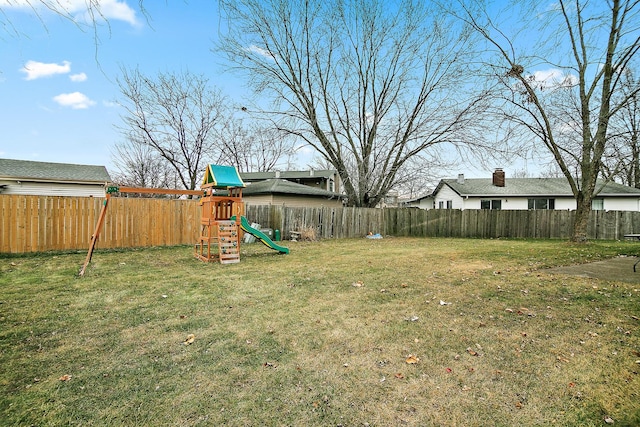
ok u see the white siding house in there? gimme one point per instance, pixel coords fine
(523, 193)
(52, 179)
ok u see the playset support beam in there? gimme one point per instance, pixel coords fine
(103, 212)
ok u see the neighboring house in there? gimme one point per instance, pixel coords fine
(391, 200)
(425, 202)
(52, 179)
(287, 193)
(499, 192)
(324, 179)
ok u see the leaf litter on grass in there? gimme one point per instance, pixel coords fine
(327, 340)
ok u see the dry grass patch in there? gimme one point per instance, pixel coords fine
(321, 336)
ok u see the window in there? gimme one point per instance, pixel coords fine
(597, 204)
(538, 204)
(491, 204)
(449, 204)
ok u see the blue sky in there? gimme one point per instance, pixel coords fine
(58, 88)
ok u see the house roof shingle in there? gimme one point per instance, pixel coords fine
(557, 187)
(28, 170)
(282, 186)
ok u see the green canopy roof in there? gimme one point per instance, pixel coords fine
(222, 177)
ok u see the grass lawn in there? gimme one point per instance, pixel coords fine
(391, 332)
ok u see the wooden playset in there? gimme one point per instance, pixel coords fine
(221, 213)
(221, 223)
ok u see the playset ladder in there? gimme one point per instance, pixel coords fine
(228, 242)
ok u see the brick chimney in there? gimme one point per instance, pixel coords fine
(460, 179)
(498, 177)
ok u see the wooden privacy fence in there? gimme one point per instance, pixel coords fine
(357, 222)
(45, 223)
(38, 224)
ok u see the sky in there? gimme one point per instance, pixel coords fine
(58, 87)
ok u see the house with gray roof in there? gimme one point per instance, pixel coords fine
(283, 192)
(499, 192)
(324, 179)
(52, 179)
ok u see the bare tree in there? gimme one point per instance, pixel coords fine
(368, 84)
(622, 158)
(175, 115)
(85, 14)
(139, 165)
(568, 110)
(254, 148)
(89, 16)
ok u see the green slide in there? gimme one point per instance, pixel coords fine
(244, 223)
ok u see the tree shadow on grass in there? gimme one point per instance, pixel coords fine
(613, 269)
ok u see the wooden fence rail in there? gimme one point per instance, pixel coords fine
(38, 224)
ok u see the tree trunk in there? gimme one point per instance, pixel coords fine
(583, 208)
(635, 159)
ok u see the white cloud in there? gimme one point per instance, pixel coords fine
(554, 78)
(36, 70)
(108, 9)
(80, 77)
(114, 9)
(260, 51)
(75, 100)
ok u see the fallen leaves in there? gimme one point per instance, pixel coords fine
(521, 311)
(190, 339)
(412, 360)
(357, 284)
(65, 378)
